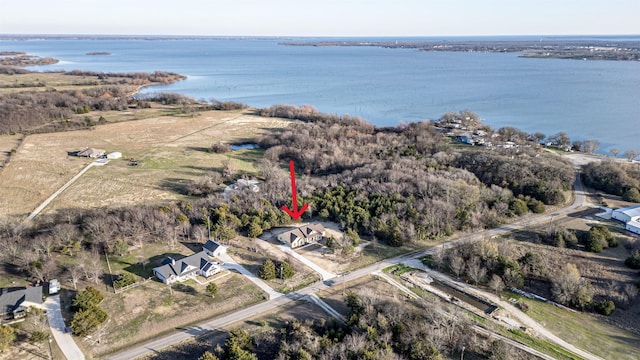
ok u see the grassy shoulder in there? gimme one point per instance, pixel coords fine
(585, 331)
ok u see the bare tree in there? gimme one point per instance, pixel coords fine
(568, 287)
(631, 290)
(43, 244)
(456, 262)
(496, 283)
(75, 271)
(476, 271)
(631, 154)
(614, 152)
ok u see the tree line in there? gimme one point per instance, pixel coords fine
(378, 328)
(26, 111)
(614, 178)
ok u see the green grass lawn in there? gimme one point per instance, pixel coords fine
(586, 331)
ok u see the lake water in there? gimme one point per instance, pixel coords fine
(587, 99)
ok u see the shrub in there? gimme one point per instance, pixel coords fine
(268, 270)
(87, 298)
(87, 321)
(124, 279)
(633, 261)
(605, 307)
(522, 306)
(220, 148)
(212, 289)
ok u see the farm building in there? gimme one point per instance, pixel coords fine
(626, 214)
(114, 155)
(91, 153)
(303, 235)
(634, 225)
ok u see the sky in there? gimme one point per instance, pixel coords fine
(321, 18)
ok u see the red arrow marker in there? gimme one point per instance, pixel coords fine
(295, 213)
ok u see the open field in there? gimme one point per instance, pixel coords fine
(171, 151)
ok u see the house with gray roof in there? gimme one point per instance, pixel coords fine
(214, 249)
(16, 301)
(173, 270)
(307, 234)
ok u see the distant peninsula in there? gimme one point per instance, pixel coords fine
(547, 49)
(18, 58)
(98, 53)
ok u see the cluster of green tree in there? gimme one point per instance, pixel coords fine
(614, 178)
(88, 313)
(270, 270)
(378, 329)
(596, 239)
(125, 278)
(500, 267)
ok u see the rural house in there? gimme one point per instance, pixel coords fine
(91, 153)
(16, 301)
(303, 235)
(214, 249)
(173, 270)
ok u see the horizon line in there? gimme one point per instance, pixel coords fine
(5, 35)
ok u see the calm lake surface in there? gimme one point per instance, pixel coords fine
(587, 99)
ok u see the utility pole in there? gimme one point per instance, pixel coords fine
(110, 272)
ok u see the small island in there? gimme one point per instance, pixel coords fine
(98, 53)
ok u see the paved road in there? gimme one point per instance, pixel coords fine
(64, 340)
(278, 300)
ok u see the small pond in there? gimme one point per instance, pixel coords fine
(246, 146)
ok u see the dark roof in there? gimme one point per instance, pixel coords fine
(12, 298)
(184, 266)
(211, 245)
(303, 232)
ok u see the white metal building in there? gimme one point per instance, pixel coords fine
(626, 214)
(634, 225)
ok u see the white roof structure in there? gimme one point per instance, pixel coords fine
(114, 155)
(626, 214)
(634, 225)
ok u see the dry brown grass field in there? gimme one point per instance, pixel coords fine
(171, 151)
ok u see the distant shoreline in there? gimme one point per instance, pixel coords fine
(548, 49)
